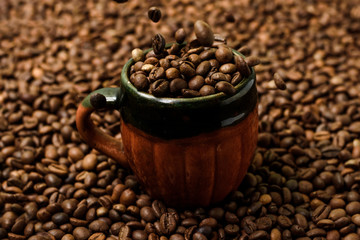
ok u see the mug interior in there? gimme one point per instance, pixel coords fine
(130, 88)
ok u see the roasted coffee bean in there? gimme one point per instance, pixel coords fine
(159, 87)
(321, 212)
(140, 81)
(353, 208)
(335, 214)
(188, 93)
(158, 208)
(252, 61)
(167, 223)
(245, 50)
(194, 58)
(196, 82)
(207, 90)
(224, 55)
(98, 226)
(218, 76)
(177, 84)
(260, 234)
(81, 233)
(203, 68)
(279, 82)
(316, 232)
(242, 66)
(156, 73)
(236, 79)
(228, 68)
(172, 73)
(180, 35)
(97, 236)
(187, 69)
(203, 33)
(154, 14)
(60, 218)
(158, 43)
(284, 221)
(225, 87)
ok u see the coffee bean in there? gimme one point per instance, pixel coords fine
(158, 43)
(355, 127)
(137, 54)
(279, 82)
(187, 69)
(325, 223)
(225, 87)
(195, 59)
(188, 93)
(97, 236)
(81, 233)
(352, 236)
(228, 68)
(224, 55)
(172, 73)
(261, 234)
(203, 33)
(98, 226)
(148, 214)
(203, 68)
(196, 82)
(154, 14)
(337, 213)
(19, 226)
(159, 87)
(321, 212)
(60, 218)
(264, 223)
(242, 66)
(342, 222)
(206, 90)
(316, 232)
(252, 61)
(156, 73)
(180, 35)
(353, 208)
(167, 223)
(177, 84)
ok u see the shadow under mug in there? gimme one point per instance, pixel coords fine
(184, 151)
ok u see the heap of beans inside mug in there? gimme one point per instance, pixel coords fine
(204, 66)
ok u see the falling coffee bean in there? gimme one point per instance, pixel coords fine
(158, 43)
(203, 33)
(180, 35)
(154, 14)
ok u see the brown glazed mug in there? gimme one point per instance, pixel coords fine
(184, 151)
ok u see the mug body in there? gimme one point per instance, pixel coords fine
(192, 171)
(189, 152)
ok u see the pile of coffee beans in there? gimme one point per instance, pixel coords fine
(303, 182)
(202, 67)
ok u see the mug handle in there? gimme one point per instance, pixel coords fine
(109, 98)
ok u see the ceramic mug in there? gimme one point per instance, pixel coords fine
(184, 151)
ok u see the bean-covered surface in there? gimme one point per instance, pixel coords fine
(304, 179)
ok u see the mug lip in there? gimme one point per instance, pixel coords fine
(125, 83)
